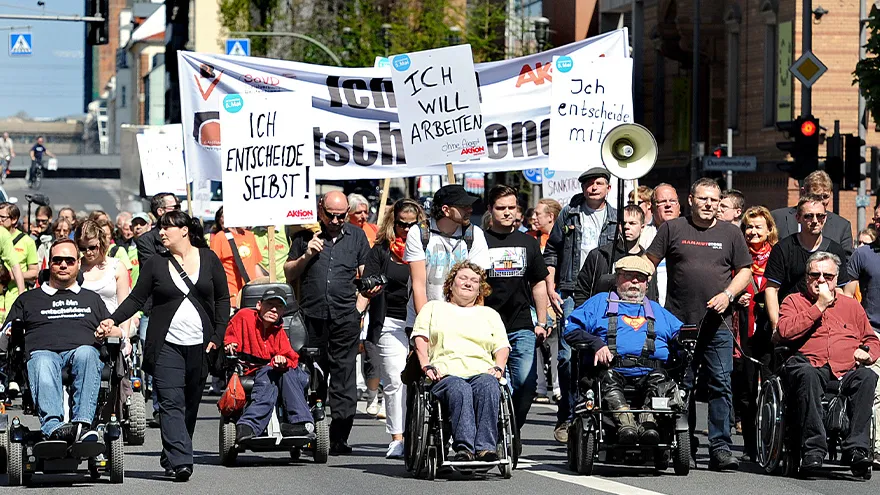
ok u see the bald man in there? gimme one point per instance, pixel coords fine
(327, 263)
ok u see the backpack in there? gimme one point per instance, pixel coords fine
(467, 236)
(113, 251)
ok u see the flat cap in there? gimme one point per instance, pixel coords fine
(595, 172)
(638, 264)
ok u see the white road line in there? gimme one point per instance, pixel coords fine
(594, 482)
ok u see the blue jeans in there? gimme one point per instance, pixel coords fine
(472, 405)
(44, 374)
(563, 364)
(268, 382)
(142, 334)
(715, 353)
(522, 372)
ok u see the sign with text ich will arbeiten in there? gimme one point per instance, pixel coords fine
(267, 154)
(438, 105)
(589, 97)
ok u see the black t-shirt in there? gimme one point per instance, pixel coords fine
(396, 291)
(516, 264)
(38, 150)
(699, 263)
(58, 320)
(787, 264)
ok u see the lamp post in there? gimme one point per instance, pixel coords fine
(454, 36)
(542, 32)
(386, 38)
(348, 37)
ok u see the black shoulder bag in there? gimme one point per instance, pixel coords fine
(215, 357)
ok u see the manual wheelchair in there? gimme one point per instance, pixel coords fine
(594, 430)
(427, 438)
(272, 440)
(779, 440)
(27, 452)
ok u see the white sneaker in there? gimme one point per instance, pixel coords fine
(381, 413)
(373, 406)
(395, 450)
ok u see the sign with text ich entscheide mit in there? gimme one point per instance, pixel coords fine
(439, 105)
(589, 97)
(267, 156)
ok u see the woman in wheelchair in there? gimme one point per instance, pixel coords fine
(833, 341)
(631, 337)
(259, 339)
(462, 347)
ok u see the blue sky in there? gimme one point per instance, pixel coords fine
(48, 83)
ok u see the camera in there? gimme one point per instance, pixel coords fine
(368, 283)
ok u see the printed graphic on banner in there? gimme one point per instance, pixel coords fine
(589, 98)
(355, 110)
(161, 153)
(439, 105)
(267, 155)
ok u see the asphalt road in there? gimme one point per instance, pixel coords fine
(367, 472)
(83, 195)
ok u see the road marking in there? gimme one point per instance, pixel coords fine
(594, 482)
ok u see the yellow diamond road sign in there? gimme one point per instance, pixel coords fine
(808, 69)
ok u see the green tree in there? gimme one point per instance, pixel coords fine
(867, 73)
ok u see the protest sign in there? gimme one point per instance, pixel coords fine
(161, 155)
(267, 159)
(589, 98)
(562, 185)
(354, 110)
(438, 105)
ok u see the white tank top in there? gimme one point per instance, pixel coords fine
(106, 285)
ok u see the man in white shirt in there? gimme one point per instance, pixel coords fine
(7, 153)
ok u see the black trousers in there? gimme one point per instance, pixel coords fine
(806, 386)
(179, 383)
(648, 385)
(338, 339)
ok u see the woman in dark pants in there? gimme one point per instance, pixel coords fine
(189, 318)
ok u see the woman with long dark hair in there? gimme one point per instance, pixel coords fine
(189, 318)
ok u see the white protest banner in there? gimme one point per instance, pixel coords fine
(161, 156)
(562, 185)
(438, 105)
(267, 159)
(354, 110)
(590, 97)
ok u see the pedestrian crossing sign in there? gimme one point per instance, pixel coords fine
(240, 47)
(20, 44)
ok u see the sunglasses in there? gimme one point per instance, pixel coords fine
(338, 216)
(58, 260)
(41, 221)
(818, 216)
(405, 225)
(172, 207)
(827, 276)
(89, 248)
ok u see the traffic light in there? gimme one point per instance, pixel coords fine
(98, 33)
(852, 161)
(804, 150)
(720, 151)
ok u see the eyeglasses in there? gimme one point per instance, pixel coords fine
(817, 216)
(826, 276)
(58, 260)
(340, 217)
(89, 248)
(404, 225)
(665, 202)
(41, 220)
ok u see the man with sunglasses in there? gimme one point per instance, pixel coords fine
(60, 321)
(832, 340)
(786, 264)
(837, 228)
(326, 264)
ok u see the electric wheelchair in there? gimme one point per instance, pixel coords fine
(427, 438)
(778, 439)
(27, 452)
(594, 431)
(272, 440)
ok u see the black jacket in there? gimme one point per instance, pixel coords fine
(377, 262)
(212, 294)
(596, 275)
(148, 245)
(836, 228)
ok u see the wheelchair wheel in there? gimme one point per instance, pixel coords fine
(586, 448)
(94, 470)
(571, 447)
(770, 425)
(681, 454)
(136, 428)
(431, 463)
(510, 443)
(295, 453)
(415, 438)
(15, 465)
(661, 459)
(228, 454)
(321, 447)
(116, 461)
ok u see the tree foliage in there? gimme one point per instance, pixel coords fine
(867, 73)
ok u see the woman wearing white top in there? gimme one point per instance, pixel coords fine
(106, 276)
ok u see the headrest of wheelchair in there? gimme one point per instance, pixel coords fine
(253, 293)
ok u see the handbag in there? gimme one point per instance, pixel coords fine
(233, 400)
(837, 417)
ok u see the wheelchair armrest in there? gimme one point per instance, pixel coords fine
(310, 352)
(582, 347)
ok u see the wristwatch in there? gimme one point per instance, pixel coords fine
(498, 369)
(729, 295)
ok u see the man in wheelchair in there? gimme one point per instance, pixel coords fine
(832, 340)
(632, 336)
(60, 321)
(258, 337)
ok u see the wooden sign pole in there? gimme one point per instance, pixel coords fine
(386, 185)
(189, 202)
(272, 271)
(450, 173)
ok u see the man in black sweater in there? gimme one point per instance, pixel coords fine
(60, 320)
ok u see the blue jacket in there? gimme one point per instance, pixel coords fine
(589, 324)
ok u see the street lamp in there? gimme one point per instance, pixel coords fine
(386, 37)
(454, 36)
(542, 31)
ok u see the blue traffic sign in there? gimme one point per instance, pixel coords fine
(537, 175)
(20, 44)
(238, 46)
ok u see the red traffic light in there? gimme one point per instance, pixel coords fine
(717, 152)
(808, 128)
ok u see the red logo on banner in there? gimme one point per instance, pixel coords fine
(300, 213)
(538, 75)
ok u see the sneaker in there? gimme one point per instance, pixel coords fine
(861, 462)
(297, 429)
(811, 461)
(462, 456)
(87, 434)
(243, 432)
(66, 432)
(876, 460)
(723, 460)
(373, 406)
(487, 456)
(541, 399)
(381, 414)
(395, 450)
(561, 432)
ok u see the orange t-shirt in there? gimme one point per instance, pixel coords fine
(371, 229)
(248, 250)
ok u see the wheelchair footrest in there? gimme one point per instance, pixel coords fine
(476, 464)
(270, 444)
(51, 449)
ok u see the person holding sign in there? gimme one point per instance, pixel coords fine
(327, 263)
(238, 251)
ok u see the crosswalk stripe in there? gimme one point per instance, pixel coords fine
(594, 482)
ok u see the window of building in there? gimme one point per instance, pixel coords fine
(768, 10)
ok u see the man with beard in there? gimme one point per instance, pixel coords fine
(632, 336)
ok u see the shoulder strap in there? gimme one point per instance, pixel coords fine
(191, 295)
(18, 238)
(650, 337)
(425, 230)
(238, 262)
(611, 314)
(113, 251)
(468, 237)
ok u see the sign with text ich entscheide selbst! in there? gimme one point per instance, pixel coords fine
(589, 98)
(439, 105)
(267, 155)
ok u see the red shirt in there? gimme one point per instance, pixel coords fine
(246, 330)
(828, 337)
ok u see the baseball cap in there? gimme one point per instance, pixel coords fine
(636, 264)
(276, 294)
(144, 217)
(595, 172)
(454, 195)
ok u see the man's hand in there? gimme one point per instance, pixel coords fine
(373, 292)
(745, 299)
(719, 303)
(541, 334)
(210, 347)
(279, 361)
(316, 245)
(826, 297)
(862, 357)
(556, 302)
(108, 324)
(230, 348)
(603, 356)
(494, 372)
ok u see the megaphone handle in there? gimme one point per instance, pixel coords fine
(619, 238)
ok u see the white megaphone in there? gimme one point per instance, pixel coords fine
(629, 151)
